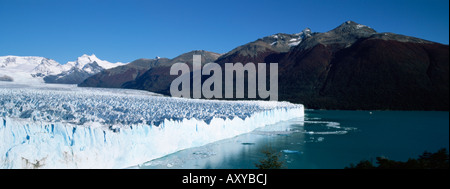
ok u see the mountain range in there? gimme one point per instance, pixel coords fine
(351, 67)
(137, 74)
(33, 69)
(355, 67)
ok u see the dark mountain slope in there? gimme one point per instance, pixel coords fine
(371, 74)
(158, 78)
(116, 77)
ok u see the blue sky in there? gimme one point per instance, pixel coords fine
(125, 30)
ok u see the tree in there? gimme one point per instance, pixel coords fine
(271, 161)
(438, 160)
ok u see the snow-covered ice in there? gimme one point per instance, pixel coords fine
(32, 69)
(69, 127)
(24, 69)
(359, 26)
(293, 44)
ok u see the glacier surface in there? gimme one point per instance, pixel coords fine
(70, 127)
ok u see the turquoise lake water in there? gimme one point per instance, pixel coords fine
(322, 140)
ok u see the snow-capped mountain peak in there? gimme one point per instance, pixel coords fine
(304, 33)
(85, 59)
(31, 64)
(84, 67)
(26, 68)
(32, 69)
(13, 61)
(300, 37)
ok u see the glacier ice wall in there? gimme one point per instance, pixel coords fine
(46, 145)
(43, 128)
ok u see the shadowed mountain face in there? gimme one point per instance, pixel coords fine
(73, 76)
(370, 74)
(350, 67)
(116, 77)
(159, 79)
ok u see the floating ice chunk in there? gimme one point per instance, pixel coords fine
(327, 133)
(290, 151)
(334, 125)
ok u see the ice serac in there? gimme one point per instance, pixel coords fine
(31, 136)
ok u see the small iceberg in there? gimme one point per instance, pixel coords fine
(290, 152)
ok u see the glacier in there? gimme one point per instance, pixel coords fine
(69, 127)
